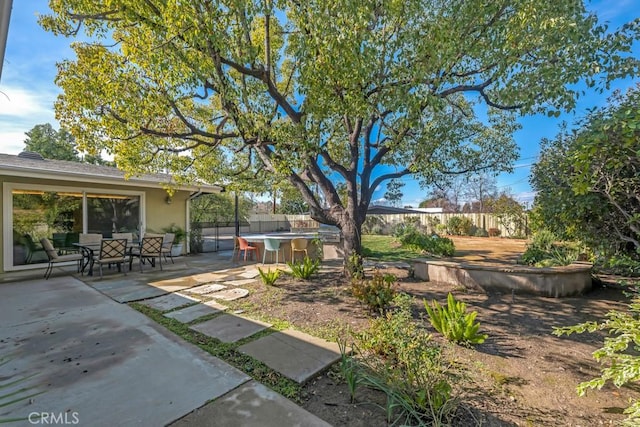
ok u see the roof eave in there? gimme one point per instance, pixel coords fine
(75, 177)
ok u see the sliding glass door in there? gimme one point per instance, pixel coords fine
(61, 215)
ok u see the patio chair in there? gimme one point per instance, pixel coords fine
(54, 258)
(88, 242)
(246, 247)
(128, 236)
(167, 245)
(90, 238)
(112, 251)
(31, 247)
(150, 249)
(271, 245)
(299, 245)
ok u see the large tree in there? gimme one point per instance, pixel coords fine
(479, 189)
(323, 93)
(588, 180)
(394, 194)
(58, 144)
(50, 143)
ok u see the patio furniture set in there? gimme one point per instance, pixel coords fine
(272, 243)
(120, 249)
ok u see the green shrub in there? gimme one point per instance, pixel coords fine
(269, 277)
(453, 322)
(431, 244)
(355, 266)
(460, 225)
(377, 293)
(481, 232)
(399, 358)
(304, 269)
(543, 239)
(621, 264)
(532, 256)
(373, 224)
(559, 256)
(544, 251)
(402, 228)
(619, 351)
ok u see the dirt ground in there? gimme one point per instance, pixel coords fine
(522, 375)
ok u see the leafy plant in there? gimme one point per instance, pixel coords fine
(377, 293)
(350, 370)
(374, 224)
(304, 269)
(179, 232)
(623, 361)
(481, 232)
(543, 239)
(559, 256)
(544, 251)
(454, 322)
(621, 264)
(459, 225)
(399, 358)
(431, 244)
(269, 277)
(355, 268)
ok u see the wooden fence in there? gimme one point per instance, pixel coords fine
(485, 221)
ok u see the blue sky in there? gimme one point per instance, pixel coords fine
(28, 91)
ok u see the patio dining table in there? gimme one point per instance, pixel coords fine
(284, 237)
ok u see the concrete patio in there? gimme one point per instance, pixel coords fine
(72, 350)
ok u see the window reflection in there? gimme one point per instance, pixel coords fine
(58, 217)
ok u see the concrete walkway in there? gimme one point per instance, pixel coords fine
(71, 351)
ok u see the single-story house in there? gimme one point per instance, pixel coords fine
(60, 199)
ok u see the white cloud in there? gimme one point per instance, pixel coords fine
(20, 110)
(525, 197)
(380, 201)
(19, 102)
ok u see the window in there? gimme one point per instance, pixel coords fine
(61, 215)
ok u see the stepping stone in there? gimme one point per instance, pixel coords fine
(240, 282)
(173, 285)
(230, 328)
(251, 273)
(194, 312)
(206, 289)
(251, 405)
(229, 294)
(134, 293)
(312, 355)
(168, 302)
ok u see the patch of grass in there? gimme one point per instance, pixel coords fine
(229, 353)
(387, 248)
(333, 330)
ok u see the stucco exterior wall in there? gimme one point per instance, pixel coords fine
(155, 210)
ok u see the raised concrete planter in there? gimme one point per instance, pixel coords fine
(551, 281)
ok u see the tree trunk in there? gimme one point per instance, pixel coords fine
(350, 227)
(352, 243)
